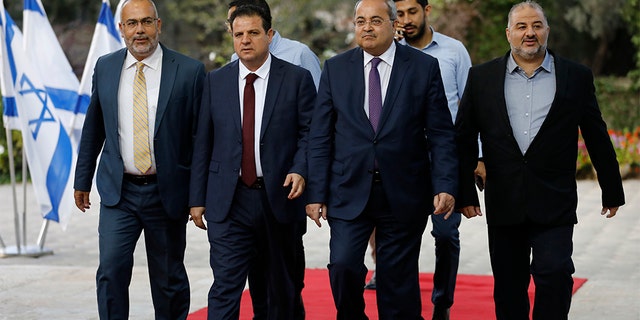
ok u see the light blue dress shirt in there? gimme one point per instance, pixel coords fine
(529, 98)
(454, 62)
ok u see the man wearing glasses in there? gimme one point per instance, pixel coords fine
(144, 104)
(381, 155)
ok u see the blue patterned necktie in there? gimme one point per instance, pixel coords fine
(375, 94)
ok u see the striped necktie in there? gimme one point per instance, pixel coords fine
(141, 150)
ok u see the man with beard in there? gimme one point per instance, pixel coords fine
(142, 114)
(528, 107)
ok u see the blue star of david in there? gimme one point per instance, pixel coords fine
(45, 114)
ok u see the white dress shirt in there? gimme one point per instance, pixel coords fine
(152, 73)
(384, 69)
(260, 87)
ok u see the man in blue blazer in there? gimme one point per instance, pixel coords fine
(529, 107)
(389, 174)
(249, 174)
(155, 198)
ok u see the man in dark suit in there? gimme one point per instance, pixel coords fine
(143, 177)
(528, 107)
(249, 173)
(381, 154)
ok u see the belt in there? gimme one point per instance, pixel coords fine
(141, 180)
(376, 176)
(259, 184)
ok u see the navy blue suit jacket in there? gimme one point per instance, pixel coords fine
(178, 103)
(414, 146)
(283, 139)
(540, 185)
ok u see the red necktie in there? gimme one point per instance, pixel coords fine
(248, 165)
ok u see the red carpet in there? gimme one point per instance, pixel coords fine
(474, 298)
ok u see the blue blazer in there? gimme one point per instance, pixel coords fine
(283, 139)
(414, 146)
(178, 103)
(540, 185)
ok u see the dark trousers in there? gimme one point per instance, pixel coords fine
(447, 247)
(251, 238)
(398, 248)
(119, 228)
(519, 252)
(258, 283)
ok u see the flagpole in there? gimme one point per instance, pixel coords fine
(25, 169)
(12, 173)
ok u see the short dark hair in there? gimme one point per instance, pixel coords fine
(422, 3)
(259, 3)
(249, 10)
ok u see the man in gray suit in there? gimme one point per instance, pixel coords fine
(142, 116)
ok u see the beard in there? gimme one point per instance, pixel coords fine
(420, 30)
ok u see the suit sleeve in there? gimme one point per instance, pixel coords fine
(467, 141)
(92, 139)
(306, 100)
(202, 149)
(441, 137)
(598, 142)
(320, 140)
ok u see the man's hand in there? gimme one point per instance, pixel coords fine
(197, 214)
(471, 211)
(612, 211)
(481, 175)
(443, 203)
(315, 211)
(297, 185)
(82, 200)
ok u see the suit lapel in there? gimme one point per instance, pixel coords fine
(276, 76)
(398, 72)
(357, 87)
(167, 78)
(111, 91)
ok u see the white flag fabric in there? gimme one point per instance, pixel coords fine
(106, 39)
(46, 142)
(116, 18)
(47, 57)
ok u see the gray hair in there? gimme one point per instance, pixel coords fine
(391, 9)
(527, 3)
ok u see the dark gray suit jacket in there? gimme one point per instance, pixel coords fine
(178, 104)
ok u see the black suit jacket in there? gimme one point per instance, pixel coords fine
(539, 185)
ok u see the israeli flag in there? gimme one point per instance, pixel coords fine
(49, 61)
(10, 110)
(46, 142)
(106, 39)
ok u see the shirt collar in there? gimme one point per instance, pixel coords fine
(153, 61)
(262, 72)
(512, 66)
(387, 56)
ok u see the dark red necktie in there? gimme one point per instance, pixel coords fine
(248, 165)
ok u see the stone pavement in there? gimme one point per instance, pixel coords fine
(62, 285)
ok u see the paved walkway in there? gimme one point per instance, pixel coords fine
(62, 285)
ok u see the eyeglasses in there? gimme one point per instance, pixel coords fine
(375, 22)
(145, 22)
